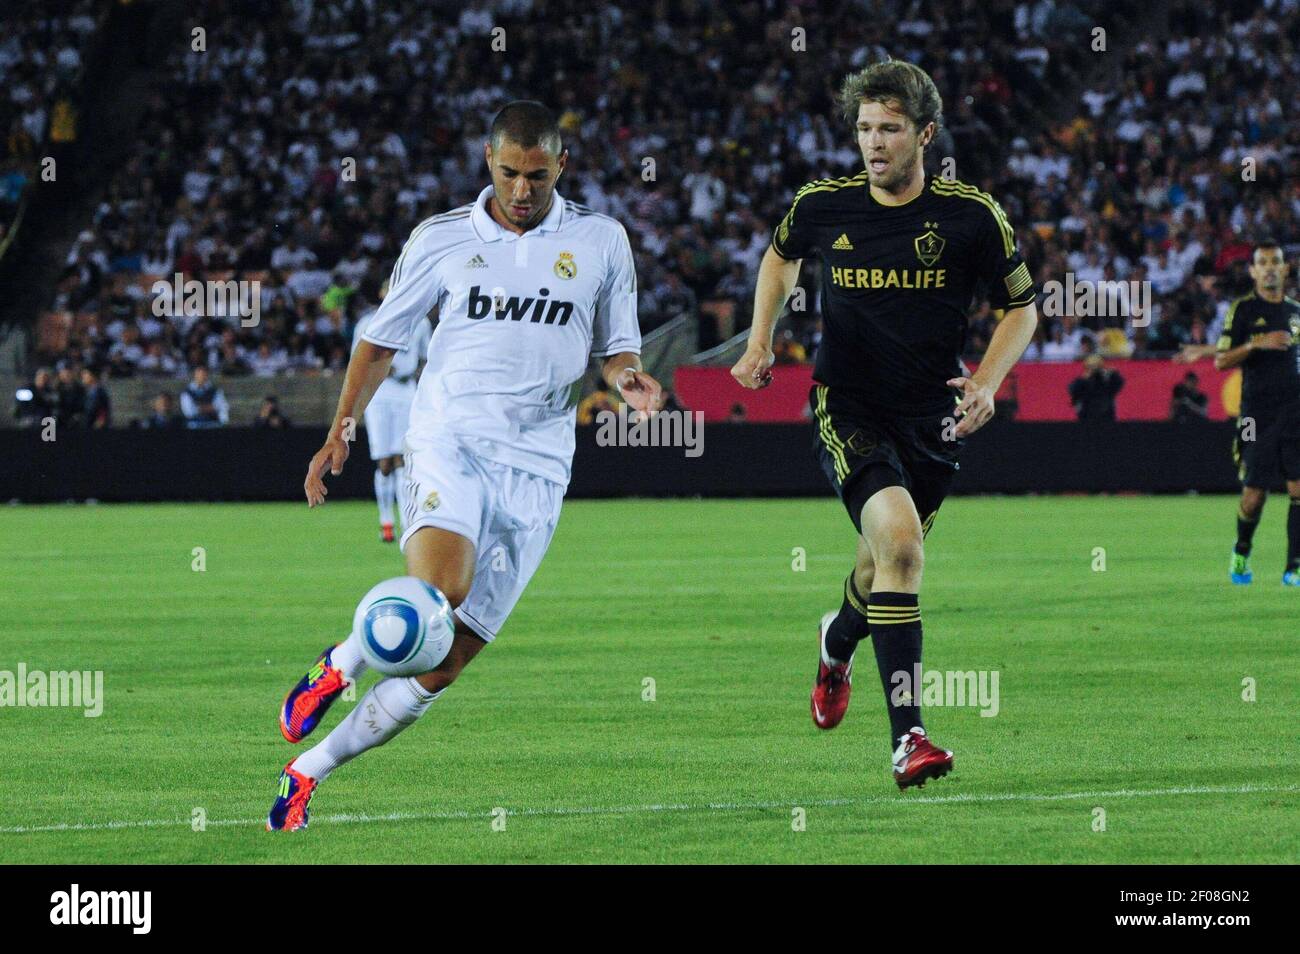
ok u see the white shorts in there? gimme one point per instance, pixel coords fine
(386, 424)
(510, 516)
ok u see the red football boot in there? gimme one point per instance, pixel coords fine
(292, 797)
(386, 533)
(831, 690)
(309, 700)
(917, 760)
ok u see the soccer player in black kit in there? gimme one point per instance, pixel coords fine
(902, 256)
(1262, 336)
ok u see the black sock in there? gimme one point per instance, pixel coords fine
(895, 620)
(850, 627)
(1293, 535)
(1245, 533)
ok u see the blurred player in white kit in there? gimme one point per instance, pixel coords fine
(389, 414)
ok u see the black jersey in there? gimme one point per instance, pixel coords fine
(1270, 380)
(897, 282)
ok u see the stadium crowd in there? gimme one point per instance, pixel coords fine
(1168, 179)
(301, 149)
(40, 62)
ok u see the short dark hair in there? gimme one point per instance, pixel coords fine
(893, 81)
(527, 123)
(1268, 242)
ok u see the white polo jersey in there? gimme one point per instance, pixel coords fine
(519, 318)
(399, 386)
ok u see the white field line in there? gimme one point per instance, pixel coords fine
(565, 811)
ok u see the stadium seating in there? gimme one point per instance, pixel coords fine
(1137, 180)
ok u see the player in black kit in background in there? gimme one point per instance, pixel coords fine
(1262, 336)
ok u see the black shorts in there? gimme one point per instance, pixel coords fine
(1274, 454)
(863, 451)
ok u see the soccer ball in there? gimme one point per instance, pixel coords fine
(405, 626)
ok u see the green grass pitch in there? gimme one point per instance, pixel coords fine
(1120, 689)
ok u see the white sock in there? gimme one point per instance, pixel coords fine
(827, 658)
(395, 488)
(347, 657)
(384, 496)
(388, 708)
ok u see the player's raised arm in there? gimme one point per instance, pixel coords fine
(777, 277)
(1010, 339)
(616, 334)
(1273, 341)
(413, 287)
(1192, 352)
(1233, 346)
(366, 369)
(1011, 290)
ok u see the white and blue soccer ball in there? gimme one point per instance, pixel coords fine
(405, 626)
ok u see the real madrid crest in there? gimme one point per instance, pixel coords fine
(565, 266)
(431, 502)
(929, 246)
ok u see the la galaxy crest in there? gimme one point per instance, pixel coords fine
(861, 444)
(929, 246)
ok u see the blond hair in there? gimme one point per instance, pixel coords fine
(896, 84)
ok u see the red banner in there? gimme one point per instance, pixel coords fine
(1042, 388)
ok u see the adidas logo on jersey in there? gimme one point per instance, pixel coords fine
(540, 310)
(476, 262)
(842, 243)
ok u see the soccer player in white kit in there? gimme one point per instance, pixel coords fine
(529, 288)
(388, 414)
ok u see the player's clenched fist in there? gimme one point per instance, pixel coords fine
(976, 407)
(753, 370)
(331, 456)
(641, 392)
